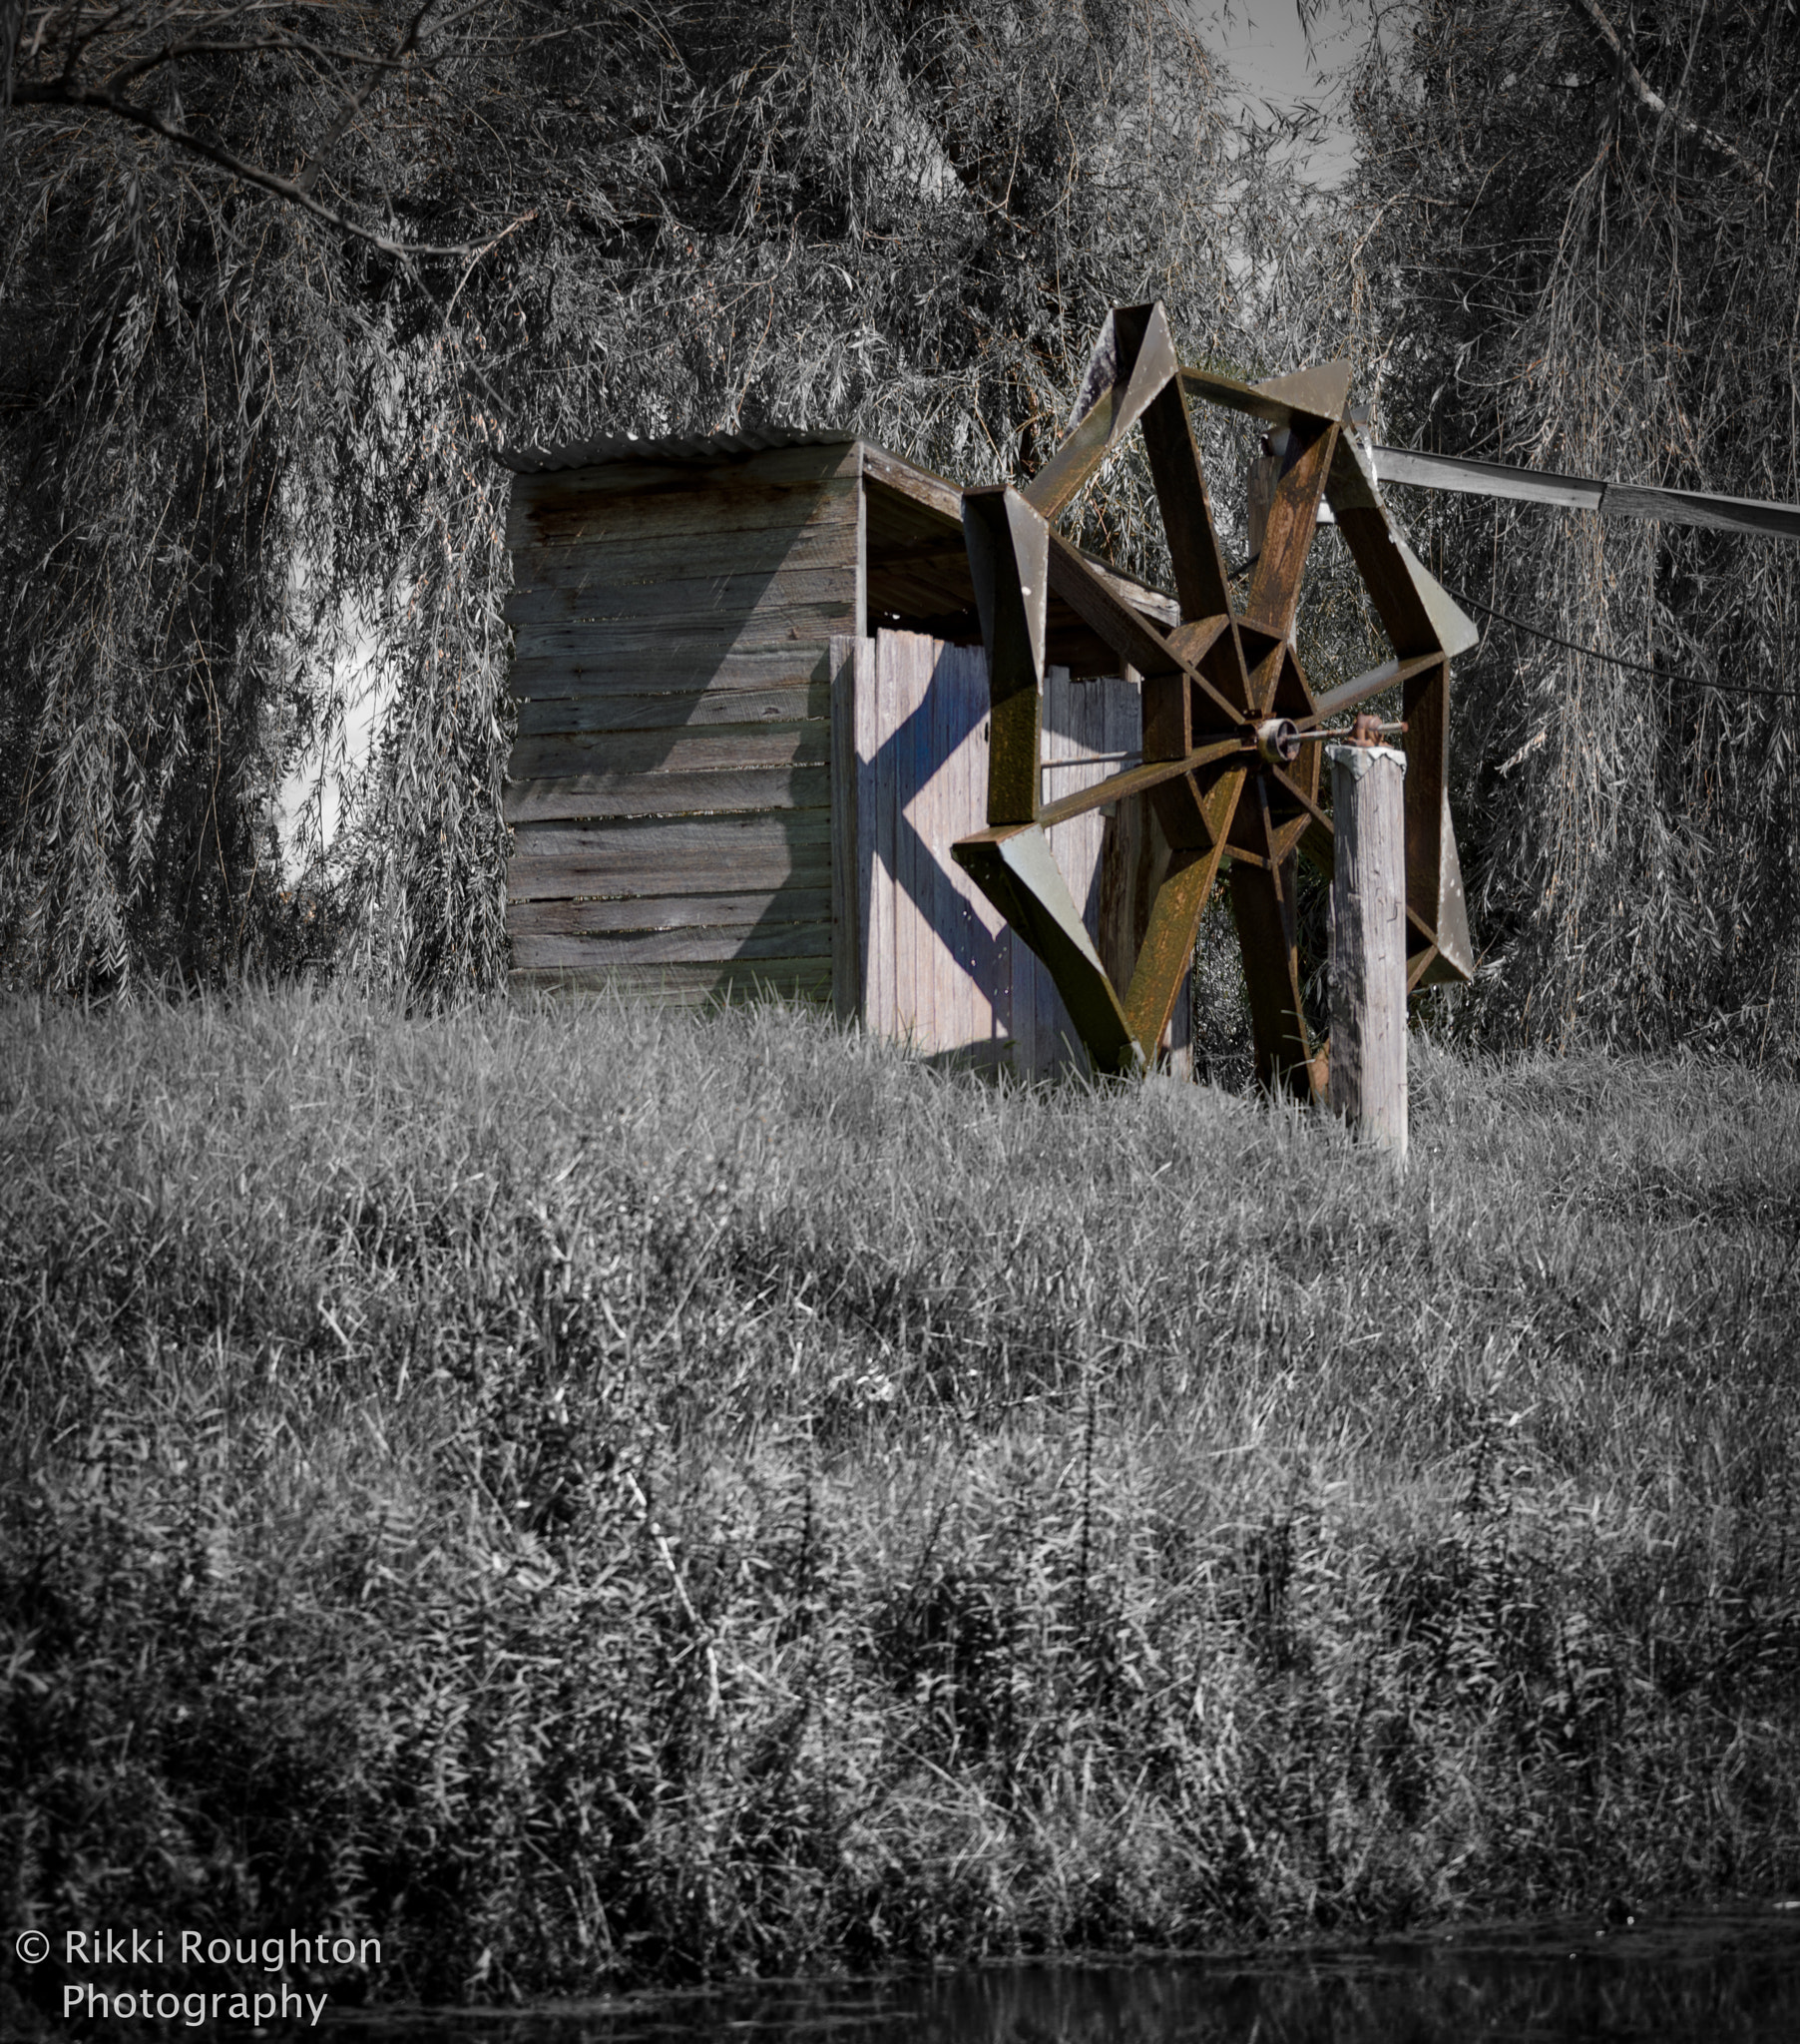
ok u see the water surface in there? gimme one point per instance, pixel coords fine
(1725, 1976)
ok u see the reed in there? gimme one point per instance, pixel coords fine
(594, 1496)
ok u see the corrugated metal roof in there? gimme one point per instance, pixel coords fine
(696, 447)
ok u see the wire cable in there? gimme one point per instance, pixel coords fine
(1612, 659)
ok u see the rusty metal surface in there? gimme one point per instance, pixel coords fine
(1133, 358)
(1008, 547)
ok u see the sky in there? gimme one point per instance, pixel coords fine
(1262, 42)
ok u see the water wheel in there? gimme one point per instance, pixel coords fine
(1231, 720)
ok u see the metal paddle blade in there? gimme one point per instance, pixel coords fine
(1455, 957)
(1015, 870)
(1133, 359)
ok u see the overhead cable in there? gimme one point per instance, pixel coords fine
(1641, 667)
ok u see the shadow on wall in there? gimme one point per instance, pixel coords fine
(939, 965)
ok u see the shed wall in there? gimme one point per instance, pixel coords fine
(669, 787)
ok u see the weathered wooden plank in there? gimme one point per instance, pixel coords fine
(680, 855)
(950, 976)
(699, 985)
(696, 600)
(934, 955)
(768, 628)
(675, 710)
(727, 468)
(903, 743)
(567, 539)
(686, 558)
(545, 502)
(677, 670)
(868, 877)
(561, 755)
(907, 480)
(535, 949)
(801, 866)
(846, 949)
(692, 574)
(906, 836)
(990, 986)
(1045, 1035)
(641, 913)
(859, 577)
(668, 794)
(885, 973)
(927, 944)
(959, 984)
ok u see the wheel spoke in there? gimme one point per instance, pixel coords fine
(1168, 941)
(1013, 868)
(1130, 635)
(1134, 781)
(1348, 694)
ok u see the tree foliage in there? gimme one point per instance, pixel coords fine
(279, 277)
(1583, 232)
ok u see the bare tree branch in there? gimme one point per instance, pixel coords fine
(129, 43)
(1589, 11)
(94, 99)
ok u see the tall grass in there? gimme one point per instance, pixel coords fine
(594, 1496)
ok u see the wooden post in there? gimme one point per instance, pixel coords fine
(1367, 1080)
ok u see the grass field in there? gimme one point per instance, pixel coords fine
(593, 1497)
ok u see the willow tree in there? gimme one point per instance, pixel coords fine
(1583, 232)
(276, 282)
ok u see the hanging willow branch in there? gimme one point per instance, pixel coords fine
(1573, 299)
(253, 567)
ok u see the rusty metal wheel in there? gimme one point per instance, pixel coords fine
(1230, 720)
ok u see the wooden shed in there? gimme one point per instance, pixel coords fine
(753, 705)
